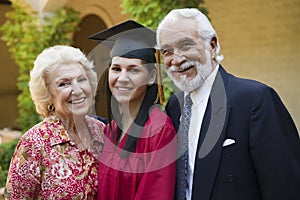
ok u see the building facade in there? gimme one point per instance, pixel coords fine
(259, 40)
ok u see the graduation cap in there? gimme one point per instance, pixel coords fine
(129, 40)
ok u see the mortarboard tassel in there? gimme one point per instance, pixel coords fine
(161, 95)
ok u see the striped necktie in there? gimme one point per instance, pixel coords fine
(182, 152)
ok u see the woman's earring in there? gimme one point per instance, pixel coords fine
(51, 107)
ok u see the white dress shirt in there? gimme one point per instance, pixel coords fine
(200, 98)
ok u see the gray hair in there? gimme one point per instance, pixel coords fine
(205, 29)
(44, 64)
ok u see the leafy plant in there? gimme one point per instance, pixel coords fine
(6, 152)
(26, 33)
(151, 12)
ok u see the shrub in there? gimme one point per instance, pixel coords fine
(6, 152)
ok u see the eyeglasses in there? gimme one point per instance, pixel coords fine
(181, 47)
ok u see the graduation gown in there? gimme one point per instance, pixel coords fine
(149, 172)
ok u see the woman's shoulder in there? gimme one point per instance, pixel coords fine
(36, 132)
(159, 119)
(94, 123)
(96, 128)
(159, 130)
(49, 130)
(32, 140)
(157, 113)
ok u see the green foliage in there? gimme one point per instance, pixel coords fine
(169, 87)
(26, 34)
(150, 13)
(6, 152)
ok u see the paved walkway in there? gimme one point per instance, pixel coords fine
(1, 193)
(6, 135)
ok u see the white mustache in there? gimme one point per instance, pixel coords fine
(182, 67)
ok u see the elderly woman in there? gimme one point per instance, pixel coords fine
(57, 158)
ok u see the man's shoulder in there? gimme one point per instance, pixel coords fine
(177, 97)
(243, 83)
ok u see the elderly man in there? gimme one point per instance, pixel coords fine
(237, 139)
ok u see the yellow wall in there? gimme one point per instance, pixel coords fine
(261, 40)
(108, 10)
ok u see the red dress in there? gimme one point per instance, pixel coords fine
(149, 172)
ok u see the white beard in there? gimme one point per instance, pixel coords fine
(186, 84)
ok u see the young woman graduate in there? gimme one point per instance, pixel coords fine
(138, 158)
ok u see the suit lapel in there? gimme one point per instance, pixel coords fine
(210, 142)
(174, 107)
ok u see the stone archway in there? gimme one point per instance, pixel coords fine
(96, 16)
(89, 25)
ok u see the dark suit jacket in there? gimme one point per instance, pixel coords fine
(264, 161)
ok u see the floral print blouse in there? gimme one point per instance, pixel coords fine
(47, 165)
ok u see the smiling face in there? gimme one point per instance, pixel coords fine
(128, 79)
(186, 56)
(71, 91)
